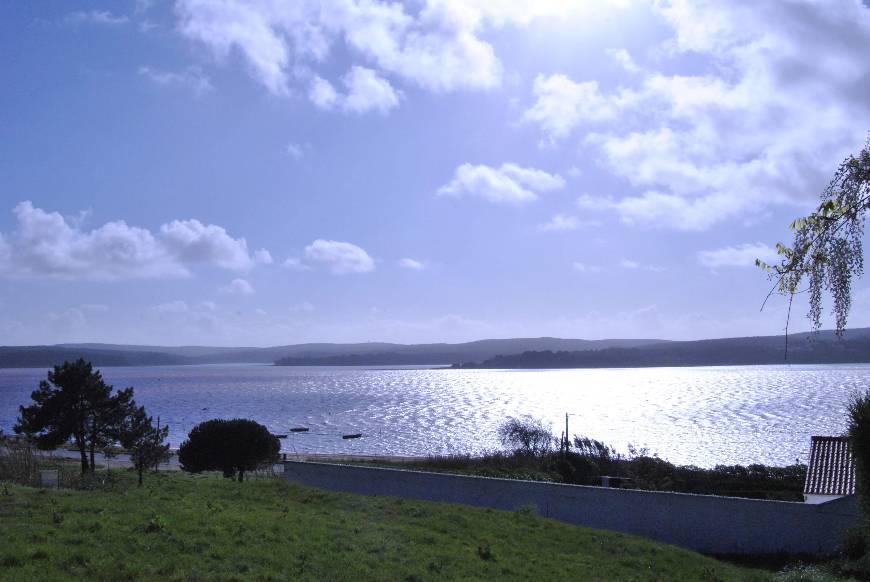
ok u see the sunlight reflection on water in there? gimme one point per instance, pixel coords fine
(703, 416)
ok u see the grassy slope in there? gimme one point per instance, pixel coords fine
(206, 527)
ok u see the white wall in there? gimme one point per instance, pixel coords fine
(816, 499)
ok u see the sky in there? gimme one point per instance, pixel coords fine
(262, 172)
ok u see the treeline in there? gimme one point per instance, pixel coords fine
(822, 348)
(444, 354)
(382, 359)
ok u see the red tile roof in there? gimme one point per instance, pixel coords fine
(831, 470)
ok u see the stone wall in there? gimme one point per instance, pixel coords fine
(706, 523)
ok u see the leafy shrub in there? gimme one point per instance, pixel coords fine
(854, 543)
(859, 440)
(18, 463)
(231, 446)
(527, 435)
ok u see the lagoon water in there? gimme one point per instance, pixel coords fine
(703, 416)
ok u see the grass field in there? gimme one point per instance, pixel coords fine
(182, 527)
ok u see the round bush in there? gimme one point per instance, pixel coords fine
(231, 446)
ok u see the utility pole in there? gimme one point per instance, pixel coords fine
(566, 434)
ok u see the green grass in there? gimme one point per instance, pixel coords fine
(182, 527)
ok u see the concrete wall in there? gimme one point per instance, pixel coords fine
(706, 523)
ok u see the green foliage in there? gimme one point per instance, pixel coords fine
(74, 403)
(270, 530)
(144, 441)
(231, 446)
(585, 467)
(827, 249)
(859, 441)
(527, 436)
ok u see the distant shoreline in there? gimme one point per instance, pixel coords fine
(823, 347)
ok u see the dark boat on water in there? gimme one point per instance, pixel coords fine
(352, 436)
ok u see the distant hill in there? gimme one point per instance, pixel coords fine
(432, 354)
(543, 352)
(804, 348)
(45, 356)
(309, 354)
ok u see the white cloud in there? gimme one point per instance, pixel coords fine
(770, 106)
(435, 47)
(323, 94)
(634, 265)
(434, 44)
(412, 264)
(262, 257)
(562, 104)
(296, 150)
(584, 268)
(304, 307)
(509, 184)
(45, 244)
(624, 59)
(194, 242)
(97, 17)
(238, 287)
(366, 91)
(737, 256)
(295, 264)
(339, 257)
(191, 78)
(559, 223)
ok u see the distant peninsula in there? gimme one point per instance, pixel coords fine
(823, 347)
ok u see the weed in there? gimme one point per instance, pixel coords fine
(484, 552)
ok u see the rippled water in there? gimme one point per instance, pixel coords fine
(703, 416)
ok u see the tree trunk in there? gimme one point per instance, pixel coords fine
(84, 455)
(140, 468)
(241, 476)
(92, 459)
(80, 445)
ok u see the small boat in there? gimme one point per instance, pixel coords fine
(280, 436)
(351, 436)
(299, 429)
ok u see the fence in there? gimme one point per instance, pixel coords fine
(706, 523)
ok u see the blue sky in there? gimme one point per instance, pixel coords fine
(266, 172)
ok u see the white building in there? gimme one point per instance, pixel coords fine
(831, 472)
